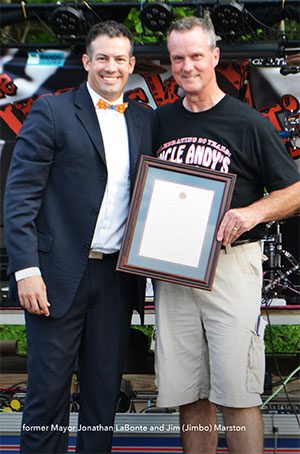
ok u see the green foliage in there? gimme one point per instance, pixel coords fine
(38, 36)
(134, 25)
(286, 338)
(146, 329)
(38, 2)
(37, 30)
(15, 332)
(141, 35)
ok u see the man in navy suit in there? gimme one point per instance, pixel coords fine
(66, 204)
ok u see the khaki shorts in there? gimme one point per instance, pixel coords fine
(206, 342)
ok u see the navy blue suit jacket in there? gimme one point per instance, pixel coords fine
(55, 187)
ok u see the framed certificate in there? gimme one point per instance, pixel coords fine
(173, 221)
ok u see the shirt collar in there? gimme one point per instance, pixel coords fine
(95, 97)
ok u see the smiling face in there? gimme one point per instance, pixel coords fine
(193, 61)
(109, 65)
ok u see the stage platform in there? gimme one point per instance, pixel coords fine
(279, 315)
(159, 433)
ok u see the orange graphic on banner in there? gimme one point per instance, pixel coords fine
(10, 119)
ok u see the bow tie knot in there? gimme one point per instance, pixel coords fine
(101, 104)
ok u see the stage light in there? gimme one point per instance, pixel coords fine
(68, 22)
(228, 19)
(157, 17)
(262, 15)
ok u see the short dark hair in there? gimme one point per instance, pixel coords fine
(109, 28)
(190, 22)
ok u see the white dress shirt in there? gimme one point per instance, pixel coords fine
(113, 212)
(115, 205)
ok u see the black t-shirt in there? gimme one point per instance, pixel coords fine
(230, 137)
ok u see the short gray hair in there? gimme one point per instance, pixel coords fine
(190, 22)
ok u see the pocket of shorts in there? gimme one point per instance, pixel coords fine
(256, 365)
(250, 261)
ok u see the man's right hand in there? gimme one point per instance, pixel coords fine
(33, 296)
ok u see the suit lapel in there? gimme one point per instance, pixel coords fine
(87, 116)
(134, 127)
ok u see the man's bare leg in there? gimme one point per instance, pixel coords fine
(249, 440)
(201, 413)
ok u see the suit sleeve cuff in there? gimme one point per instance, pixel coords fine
(27, 272)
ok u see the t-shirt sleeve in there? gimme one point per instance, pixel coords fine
(278, 168)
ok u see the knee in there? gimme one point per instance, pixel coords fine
(200, 407)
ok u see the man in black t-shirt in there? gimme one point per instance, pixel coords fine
(209, 348)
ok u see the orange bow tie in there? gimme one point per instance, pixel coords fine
(118, 107)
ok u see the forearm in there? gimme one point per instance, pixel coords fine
(277, 205)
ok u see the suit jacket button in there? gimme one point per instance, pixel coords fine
(94, 211)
